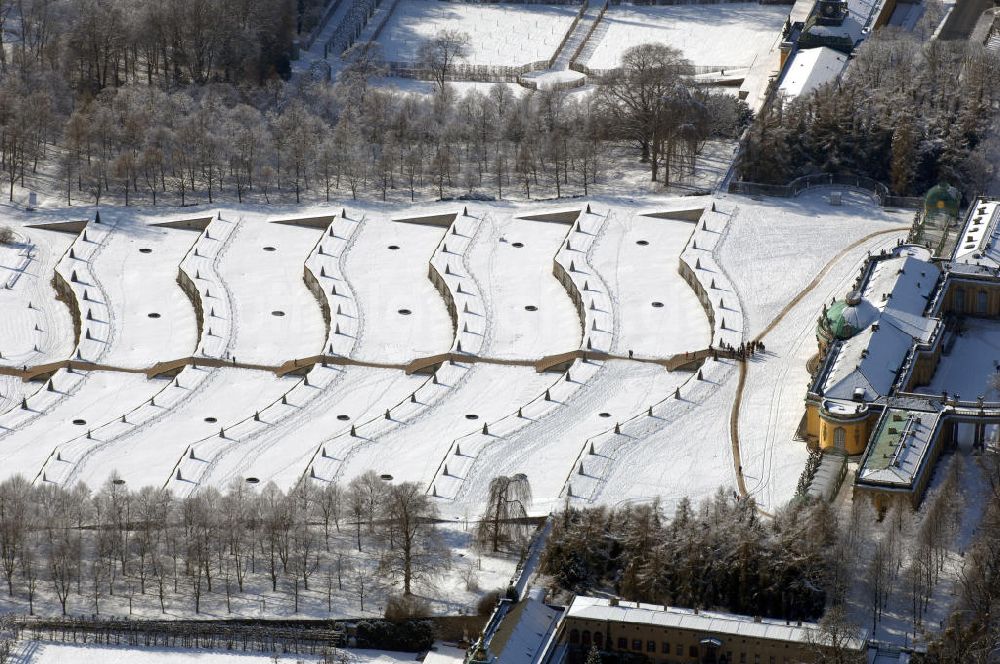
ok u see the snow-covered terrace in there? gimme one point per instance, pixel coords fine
(489, 297)
(716, 36)
(500, 34)
(276, 316)
(137, 271)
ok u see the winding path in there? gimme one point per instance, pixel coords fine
(734, 416)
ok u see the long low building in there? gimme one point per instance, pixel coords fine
(635, 632)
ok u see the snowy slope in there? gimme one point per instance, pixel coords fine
(727, 35)
(387, 280)
(137, 270)
(639, 256)
(499, 34)
(276, 316)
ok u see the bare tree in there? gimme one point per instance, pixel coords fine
(507, 507)
(440, 53)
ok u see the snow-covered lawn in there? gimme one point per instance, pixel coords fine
(40, 652)
(546, 447)
(658, 313)
(137, 270)
(276, 316)
(98, 398)
(500, 34)
(387, 270)
(145, 454)
(43, 332)
(726, 35)
(774, 247)
(511, 259)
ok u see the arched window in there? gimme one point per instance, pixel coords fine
(840, 438)
(981, 302)
(960, 299)
(586, 637)
(574, 636)
(599, 639)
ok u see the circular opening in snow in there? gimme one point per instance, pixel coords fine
(393, 247)
(145, 250)
(517, 245)
(404, 312)
(153, 314)
(79, 423)
(211, 420)
(604, 414)
(278, 313)
(472, 416)
(343, 418)
(252, 480)
(269, 249)
(385, 476)
(657, 305)
(530, 307)
(642, 243)
(119, 481)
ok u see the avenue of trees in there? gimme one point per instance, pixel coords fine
(184, 101)
(71, 550)
(907, 113)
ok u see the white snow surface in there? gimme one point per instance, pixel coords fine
(499, 34)
(387, 280)
(97, 398)
(723, 36)
(262, 270)
(40, 652)
(643, 274)
(138, 284)
(513, 277)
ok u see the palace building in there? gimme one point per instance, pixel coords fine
(901, 372)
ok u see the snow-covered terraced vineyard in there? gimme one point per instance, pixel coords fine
(727, 35)
(499, 34)
(437, 344)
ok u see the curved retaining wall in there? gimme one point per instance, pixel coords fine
(571, 266)
(447, 269)
(601, 454)
(198, 278)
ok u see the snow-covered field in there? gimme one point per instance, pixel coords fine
(727, 35)
(374, 301)
(500, 34)
(40, 652)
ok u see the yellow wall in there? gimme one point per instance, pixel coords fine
(856, 434)
(970, 305)
(812, 421)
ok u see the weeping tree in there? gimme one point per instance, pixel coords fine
(507, 507)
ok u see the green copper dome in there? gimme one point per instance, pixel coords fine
(845, 318)
(942, 199)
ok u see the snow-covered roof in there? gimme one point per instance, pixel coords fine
(526, 630)
(444, 654)
(977, 245)
(597, 608)
(811, 68)
(899, 447)
(857, 25)
(899, 288)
